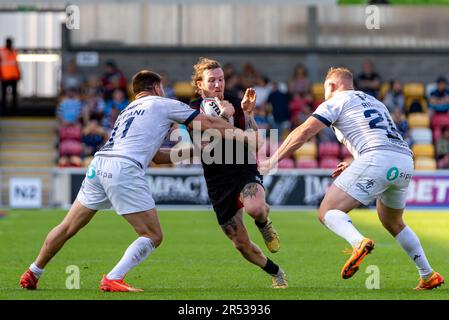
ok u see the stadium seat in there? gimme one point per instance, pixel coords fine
(439, 120)
(183, 89)
(344, 152)
(383, 90)
(286, 163)
(418, 120)
(421, 135)
(423, 150)
(70, 132)
(414, 89)
(307, 151)
(414, 104)
(329, 163)
(425, 163)
(307, 163)
(70, 148)
(318, 91)
(328, 149)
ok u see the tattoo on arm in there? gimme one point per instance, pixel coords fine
(250, 190)
(230, 228)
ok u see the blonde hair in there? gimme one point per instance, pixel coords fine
(342, 73)
(202, 65)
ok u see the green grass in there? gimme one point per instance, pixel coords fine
(196, 261)
(398, 2)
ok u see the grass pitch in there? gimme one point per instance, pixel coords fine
(196, 261)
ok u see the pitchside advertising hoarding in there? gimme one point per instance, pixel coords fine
(286, 188)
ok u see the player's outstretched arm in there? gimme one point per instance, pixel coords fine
(228, 131)
(165, 155)
(294, 141)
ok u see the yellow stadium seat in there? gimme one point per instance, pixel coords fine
(183, 89)
(383, 90)
(418, 120)
(423, 150)
(410, 100)
(425, 163)
(414, 89)
(318, 91)
(307, 151)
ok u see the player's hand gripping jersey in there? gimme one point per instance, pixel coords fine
(361, 123)
(142, 126)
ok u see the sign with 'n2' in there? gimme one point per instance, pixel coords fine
(25, 193)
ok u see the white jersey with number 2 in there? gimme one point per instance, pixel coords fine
(361, 122)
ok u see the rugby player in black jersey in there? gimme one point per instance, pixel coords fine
(235, 187)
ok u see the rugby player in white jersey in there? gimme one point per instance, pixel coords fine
(381, 171)
(116, 177)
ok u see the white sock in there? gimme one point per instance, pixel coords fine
(36, 270)
(138, 251)
(409, 241)
(340, 223)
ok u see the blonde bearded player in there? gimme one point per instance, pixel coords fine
(382, 170)
(235, 187)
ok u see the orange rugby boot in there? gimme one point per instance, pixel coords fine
(361, 249)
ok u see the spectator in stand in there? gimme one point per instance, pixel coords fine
(249, 76)
(232, 86)
(401, 123)
(94, 137)
(113, 79)
(439, 98)
(299, 82)
(394, 99)
(263, 90)
(443, 149)
(260, 116)
(9, 75)
(70, 108)
(369, 81)
(228, 70)
(168, 87)
(113, 109)
(94, 107)
(94, 84)
(70, 147)
(72, 78)
(280, 110)
(300, 108)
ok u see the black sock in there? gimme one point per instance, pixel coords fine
(260, 224)
(271, 267)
